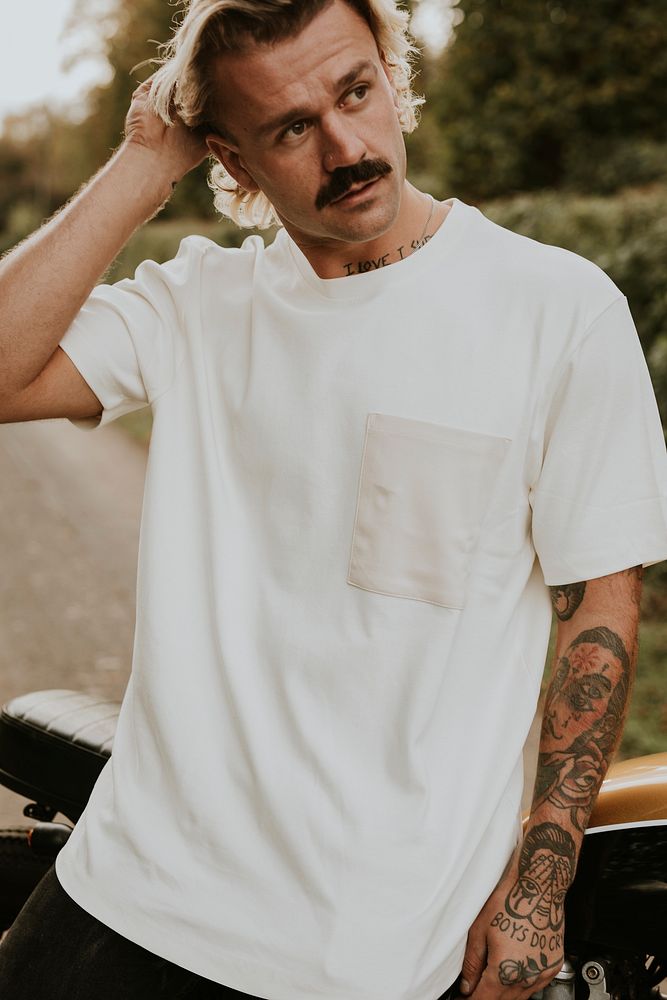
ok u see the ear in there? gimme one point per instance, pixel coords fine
(228, 154)
(390, 78)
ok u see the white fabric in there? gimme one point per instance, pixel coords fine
(356, 490)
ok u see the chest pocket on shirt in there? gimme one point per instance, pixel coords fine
(423, 491)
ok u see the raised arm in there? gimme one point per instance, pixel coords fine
(45, 280)
(515, 946)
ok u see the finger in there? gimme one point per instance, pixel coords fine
(478, 991)
(474, 963)
(143, 87)
(488, 987)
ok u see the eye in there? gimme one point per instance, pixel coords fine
(529, 886)
(295, 130)
(589, 689)
(357, 95)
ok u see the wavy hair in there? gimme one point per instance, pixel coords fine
(185, 80)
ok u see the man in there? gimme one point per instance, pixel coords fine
(376, 445)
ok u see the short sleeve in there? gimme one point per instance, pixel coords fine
(599, 504)
(128, 338)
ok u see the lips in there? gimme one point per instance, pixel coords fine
(348, 182)
(355, 189)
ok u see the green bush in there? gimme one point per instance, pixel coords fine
(552, 94)
(646, 727)
(159, 241)
(626, 235)
(602, 166)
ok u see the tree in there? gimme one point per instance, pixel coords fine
(128, 37)
(553, 93)
(41, 164)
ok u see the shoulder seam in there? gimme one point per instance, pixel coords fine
(584, 336)
(547, 396)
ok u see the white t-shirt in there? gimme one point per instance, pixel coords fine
(358, 490)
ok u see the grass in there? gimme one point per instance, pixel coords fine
(646, 728)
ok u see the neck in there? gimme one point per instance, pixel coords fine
(418, 218)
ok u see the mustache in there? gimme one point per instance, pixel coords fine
(343, 178)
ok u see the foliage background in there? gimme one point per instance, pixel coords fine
(549, 115)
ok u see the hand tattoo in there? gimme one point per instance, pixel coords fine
(534, 906)
(512, 971)
(546, 870)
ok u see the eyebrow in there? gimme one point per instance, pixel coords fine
(295, 114)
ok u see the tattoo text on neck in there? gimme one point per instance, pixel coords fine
(375, 263)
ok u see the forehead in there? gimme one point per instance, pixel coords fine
(592, 656)
(298, 70)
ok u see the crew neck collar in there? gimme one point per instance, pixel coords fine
(355, 286)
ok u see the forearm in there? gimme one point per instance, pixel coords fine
(585, 710)
(519, 933)
(45, 281)
(588, 697)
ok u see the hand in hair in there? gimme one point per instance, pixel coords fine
(178, 149)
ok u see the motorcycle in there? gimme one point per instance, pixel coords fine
(54, 743)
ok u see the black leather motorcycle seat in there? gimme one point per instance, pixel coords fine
(53, 746)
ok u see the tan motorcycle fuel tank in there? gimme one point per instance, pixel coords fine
(618, 899)
(634, 791)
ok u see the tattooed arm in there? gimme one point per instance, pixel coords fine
(515, 946)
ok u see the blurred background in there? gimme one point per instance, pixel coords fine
(549, 115)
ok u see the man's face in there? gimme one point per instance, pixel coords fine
(311, 117)
(583, 698)
(539, 892)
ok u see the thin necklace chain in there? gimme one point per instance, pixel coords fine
(428, 221)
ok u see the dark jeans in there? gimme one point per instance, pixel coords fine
(56, 949)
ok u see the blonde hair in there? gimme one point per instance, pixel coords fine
(185, 81)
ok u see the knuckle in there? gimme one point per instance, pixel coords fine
(544, 980)
(471, 964)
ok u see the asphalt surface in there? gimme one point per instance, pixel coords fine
(70, 505)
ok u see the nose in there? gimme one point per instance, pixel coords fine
(342, 146)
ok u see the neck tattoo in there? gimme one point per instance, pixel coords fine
(375, 263)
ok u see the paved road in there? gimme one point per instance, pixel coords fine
(70, 503)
